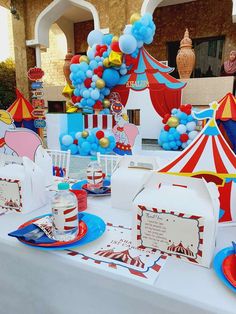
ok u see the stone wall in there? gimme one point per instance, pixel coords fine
(203, 18)
(53, 58)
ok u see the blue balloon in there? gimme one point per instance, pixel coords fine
(73, 149)
(97, 58)
(81, 75)
(74, 67)
(166, 146)
(64, 148)
(91, 138)
(170, 137)
(95, 37)
(127, 43)
(94, 146)
(81, 140)
(172, 130)
(86, 147)
(77, 92)
(90, 102)
(107, 39)
(95, 94)
(172, 144)
(111, 77)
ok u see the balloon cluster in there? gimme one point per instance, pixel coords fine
(88, 142)
(179, 129)
(108, 58)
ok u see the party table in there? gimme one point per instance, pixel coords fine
(41, 282)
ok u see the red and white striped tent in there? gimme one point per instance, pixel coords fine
(210, 157)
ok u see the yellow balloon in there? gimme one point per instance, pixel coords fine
(84, 59)
(72, 109)
(100, 83)
(135, 17)
(85, 134)
(173, 122)
(115, 58)
(104, 142)
(106, 103)
(106, 62)
(115, 38)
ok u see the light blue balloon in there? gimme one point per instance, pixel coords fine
(84, 66)
(91, 54)
(166, 146)
(95, 37)
(95, 77)
(93, 64)
(95, 94)
(140, 44)
(91, 139)
(89, 73)
(86, 94)
(123, 71)
(97, 58)
(74, 67)
(128, 29)
(81, 75)
(81, 140)
(90, 102)
(67, 140)
(93, 84)
(127, 44)
(94, 147)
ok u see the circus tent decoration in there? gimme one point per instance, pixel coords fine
(165, 90)
(226, 119)
(21, 112)
(210, 157)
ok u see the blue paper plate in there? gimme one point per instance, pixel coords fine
(217, 265)
(96, 227)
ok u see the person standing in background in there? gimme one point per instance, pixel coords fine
(228, 68)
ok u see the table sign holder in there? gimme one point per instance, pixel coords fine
(177, 215)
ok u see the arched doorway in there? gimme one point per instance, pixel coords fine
(65, 13)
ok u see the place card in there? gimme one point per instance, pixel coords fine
(10, 194)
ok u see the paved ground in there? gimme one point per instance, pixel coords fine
(78, 164)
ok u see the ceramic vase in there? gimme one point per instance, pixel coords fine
(186, 57)
(66, 67)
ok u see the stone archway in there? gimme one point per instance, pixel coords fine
(50, 15)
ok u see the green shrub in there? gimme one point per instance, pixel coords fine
(7, 83)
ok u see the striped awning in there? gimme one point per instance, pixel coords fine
(21, 109)
(227, 108)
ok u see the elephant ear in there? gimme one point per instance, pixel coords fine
(23, 142)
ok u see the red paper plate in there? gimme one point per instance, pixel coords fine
(82, 232)
(229, 269)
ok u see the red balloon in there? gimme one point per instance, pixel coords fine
(75, 59)
(115, 46)
(78, 98)
(87, 82)
(166, 127)
(74, 99)
(75, 142)
(99, 134)
(184, 137)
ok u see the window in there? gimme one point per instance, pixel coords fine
(56, 106)
(134, 116)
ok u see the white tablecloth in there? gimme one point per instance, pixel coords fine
(39, 282)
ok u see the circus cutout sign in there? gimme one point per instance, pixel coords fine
(210, 157)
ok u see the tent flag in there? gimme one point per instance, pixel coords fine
(210, 157)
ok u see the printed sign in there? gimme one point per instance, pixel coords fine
(37, 93)
(35, 74)
(170, 232)
(39, 123)
(38, 103)
(38, 113)
(37, 85)
(10, 196)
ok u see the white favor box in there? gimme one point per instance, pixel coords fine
(128, 177)
(177, 215)
(22, 187)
